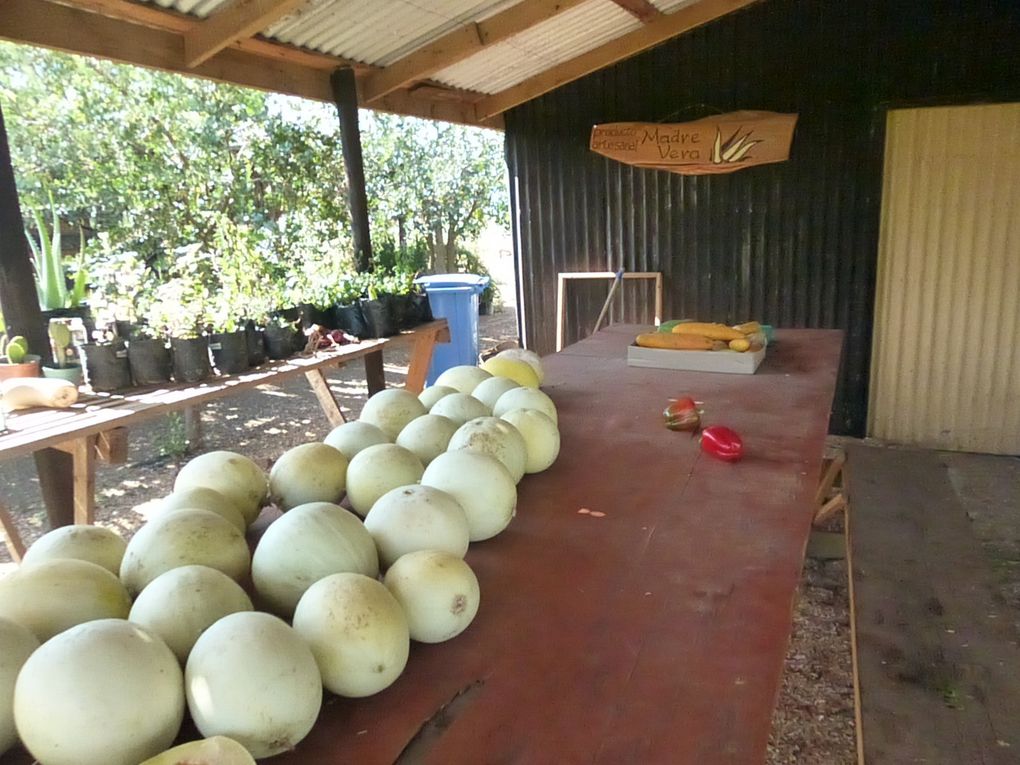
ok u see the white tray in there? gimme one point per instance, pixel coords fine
(729, 362)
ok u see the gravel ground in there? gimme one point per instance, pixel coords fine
(814, 722)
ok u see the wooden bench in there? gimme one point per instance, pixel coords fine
(96, 427)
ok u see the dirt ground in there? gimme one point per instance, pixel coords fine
(814, 722)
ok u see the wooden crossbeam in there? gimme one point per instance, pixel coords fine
(642, 10)
(658, 31)
(50, 24)
(240, 19)
(460, 44)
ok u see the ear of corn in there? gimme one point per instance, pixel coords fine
(712, 331)
(673, 341)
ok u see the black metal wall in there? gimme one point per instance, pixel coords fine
(791, 244)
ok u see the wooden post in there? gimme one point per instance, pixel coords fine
(345, 94)
(375, 376)
(18, 299)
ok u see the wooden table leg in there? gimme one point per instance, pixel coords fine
(12, 539)
(193, 426)
(84, 455)
(374, 374)
(421, 357)
(56, 481)
(320, 386)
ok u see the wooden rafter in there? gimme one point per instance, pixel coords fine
(239, 20)
(642, 10)
(650, 35)
(460, 44)
(50, 24)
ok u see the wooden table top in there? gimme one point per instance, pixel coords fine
(33, 429)
(654, 634)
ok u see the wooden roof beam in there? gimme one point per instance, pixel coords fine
(239, 20)
(460, 44)
(663, 28)
(642, 10)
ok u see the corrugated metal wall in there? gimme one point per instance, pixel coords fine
(946, 362)
(793, 244)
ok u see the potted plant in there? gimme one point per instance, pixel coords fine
(68, 367)
(148, 356)
(283, 337)
(15, 360)
(56, 299)
(227, 341)
(347, 313)
(179, 304)
(378, 308)
(106, 363)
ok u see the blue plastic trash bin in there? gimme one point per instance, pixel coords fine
(454, 297)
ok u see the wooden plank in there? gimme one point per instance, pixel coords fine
(193, 433)
(50, 24)
(345, 98)
(57, 488)
(85, 480)
(666, 642)
(665, 27)
(643, 10)
(375, 375)
(460, 44)
(320, 386)
(235, 21)
(936, 644)
(855, 662)
(12, 539)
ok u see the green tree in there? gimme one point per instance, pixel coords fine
(445, 182)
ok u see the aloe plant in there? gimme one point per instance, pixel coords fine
(50, 280)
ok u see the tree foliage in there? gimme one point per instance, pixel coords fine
(153, 164)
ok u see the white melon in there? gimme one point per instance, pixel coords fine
(391, 409)
(351, 437)
(525, 398)
(481, 486)
(413, 518)
(541, 437)
(16, 644)
(495, 437)
(463, 378)
(460, 407)
(489, 391)
(96, 544)
(438, 592)
(314, 472)
(203, 498)
(357, 631)
(529, 357)
(231, 474)
(519, 371)
(376, 470)
(433, 393)
(427, 437)
(306, 544)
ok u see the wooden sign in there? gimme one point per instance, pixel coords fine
(720, 144)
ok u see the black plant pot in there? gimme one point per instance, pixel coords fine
(311, 314)
(291, 315)
(106, 366)
(256, 344)
(191, 359)
(418, 311)
(281, 342)
(149, 360)
(379, 317)
(350, 319)
(483, 308)
(400, 307)
(229, 352)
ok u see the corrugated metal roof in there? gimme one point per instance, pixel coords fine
(201, 8)
(543, 46)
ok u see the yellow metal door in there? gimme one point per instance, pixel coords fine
(945, 366)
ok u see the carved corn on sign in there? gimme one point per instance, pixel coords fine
(719, 144)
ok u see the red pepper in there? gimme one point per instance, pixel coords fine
(722, 443)
(682, 414)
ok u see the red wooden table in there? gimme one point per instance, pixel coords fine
(654, 634)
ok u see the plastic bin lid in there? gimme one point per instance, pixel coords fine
(453, 280)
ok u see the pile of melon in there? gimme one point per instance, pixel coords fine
(106, 644)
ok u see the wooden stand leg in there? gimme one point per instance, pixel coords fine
(421, 357)
(56, 481)
(320, 386)
(12, 539)
(85, 480)
(374, 374)
(193, 426)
